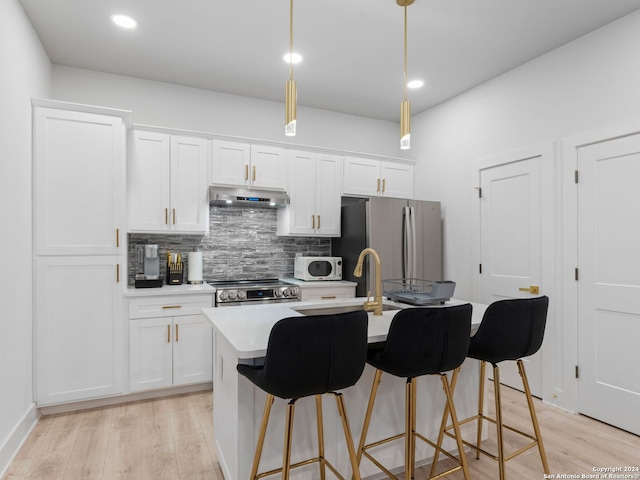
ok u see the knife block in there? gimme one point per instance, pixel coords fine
(174, 273)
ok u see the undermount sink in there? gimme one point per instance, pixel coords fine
(335, 309)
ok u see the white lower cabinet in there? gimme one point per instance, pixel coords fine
(79, 330)
(174, 347)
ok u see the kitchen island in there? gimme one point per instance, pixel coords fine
(241, 335)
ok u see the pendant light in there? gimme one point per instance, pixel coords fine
(405, 106)
(290, 113)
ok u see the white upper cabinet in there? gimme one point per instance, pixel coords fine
(315, 181)
(168, 183)
(243, 165)
(367, 177)
(79, 180)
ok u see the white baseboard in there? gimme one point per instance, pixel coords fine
(131, 397)
(10, 449)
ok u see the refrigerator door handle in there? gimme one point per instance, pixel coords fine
(406, 250)
(414, 241)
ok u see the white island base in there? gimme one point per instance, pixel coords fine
(240, 336)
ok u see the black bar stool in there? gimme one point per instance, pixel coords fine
(421, 341)
(510, 330)
(307, 356)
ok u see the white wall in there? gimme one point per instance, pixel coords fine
(174, 106)
(26, 72)
(585, 84)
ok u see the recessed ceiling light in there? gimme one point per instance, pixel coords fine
(292, 58)
(415, 84)
(124, 21)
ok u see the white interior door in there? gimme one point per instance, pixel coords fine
(609, 281)
(511, 243)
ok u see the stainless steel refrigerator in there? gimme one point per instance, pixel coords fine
(405, 233)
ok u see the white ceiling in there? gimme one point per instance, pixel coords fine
(353, 57)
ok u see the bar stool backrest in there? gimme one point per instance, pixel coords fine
(510, 330)
(424, 341)
(314, 354)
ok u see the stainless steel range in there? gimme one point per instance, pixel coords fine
(251, 292)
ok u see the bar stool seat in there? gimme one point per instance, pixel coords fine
(421, 341)
(510, 331)
(310, 356)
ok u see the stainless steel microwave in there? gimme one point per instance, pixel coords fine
(318, 268)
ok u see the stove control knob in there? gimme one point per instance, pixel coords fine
(223, 295)
(242, 295)
(232, 295)
(285, 292)
(294, 291)
(278, 292)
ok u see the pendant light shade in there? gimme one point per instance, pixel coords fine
(290, 109)
(405, 106)
(405, 125)
(291, 90)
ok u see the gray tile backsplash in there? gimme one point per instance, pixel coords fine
(241, 244)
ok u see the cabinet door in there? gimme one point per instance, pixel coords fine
(397, 180)
(150, 353)
(361, 177)
(79, 329)
(189, 195)
(149, 182)
(268, 167)
(299, 217)
(79, 182)
(230, 163)
(328, 194)
(192, 350)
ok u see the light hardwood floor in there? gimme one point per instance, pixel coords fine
(172, 438)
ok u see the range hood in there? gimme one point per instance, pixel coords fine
(222, 195)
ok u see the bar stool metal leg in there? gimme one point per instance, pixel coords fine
(408, 436)
(367, 417)
(534, 418)
(496, 387)
(347, 434)
(288, 433)
(263, 431)
(319, 422)
(483, 372)
(456, 426)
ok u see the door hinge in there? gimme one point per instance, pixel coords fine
(577, 372)
(576, 274)
(575, 176)
(480, 268)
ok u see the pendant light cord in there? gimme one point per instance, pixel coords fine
(405, 51)
(291, 40)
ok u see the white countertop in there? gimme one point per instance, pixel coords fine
(184, 289)
(247, 328)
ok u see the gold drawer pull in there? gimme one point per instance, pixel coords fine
(328, 297)
(171, 306)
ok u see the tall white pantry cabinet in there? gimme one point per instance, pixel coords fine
(80, 251)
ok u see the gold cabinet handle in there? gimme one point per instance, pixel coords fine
(166, 216)
(117, 237)
(534, 289)
(254, 173)
(313, 221)
(174, 216)
(378, 188)
(246, 172)
(328, 297)
(318, 222)
(384, 184)
(177, 334)
(171, 306)
(168, 333)
(117, 273)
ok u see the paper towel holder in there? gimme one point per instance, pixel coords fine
(194, 268)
